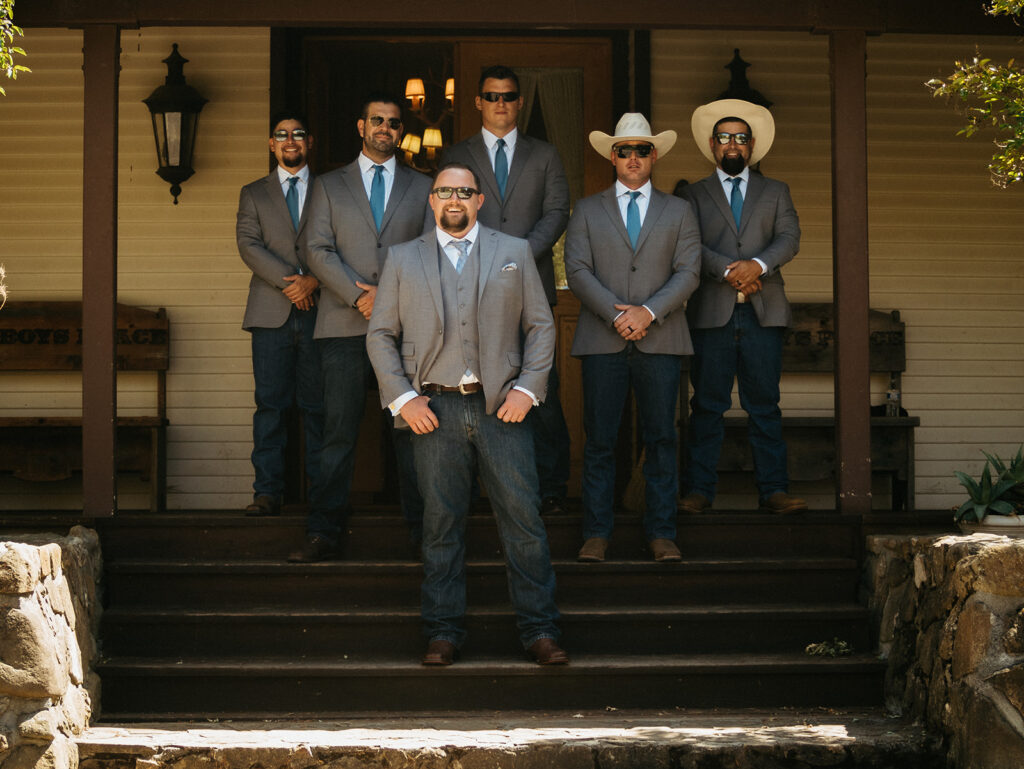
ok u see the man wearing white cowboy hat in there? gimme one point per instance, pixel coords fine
(632, 257)
(749, 230)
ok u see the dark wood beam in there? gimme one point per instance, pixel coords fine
(937, 17)
(101, 53)
(848, 54)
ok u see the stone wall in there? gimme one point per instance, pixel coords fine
(950, 614)
(49, 615)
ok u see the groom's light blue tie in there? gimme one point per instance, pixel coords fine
(462, 246)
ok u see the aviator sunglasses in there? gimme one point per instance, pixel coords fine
(463, 193)
(723, 138)
(394, 123)
(282, 136)
(641, 150)
(500, 95)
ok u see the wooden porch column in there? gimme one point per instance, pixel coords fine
(101, 52)
(848, 54)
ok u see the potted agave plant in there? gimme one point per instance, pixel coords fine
(995, 506)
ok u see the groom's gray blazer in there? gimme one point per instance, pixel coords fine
(516, 330)
(343, 244)
(769, 230)
(270, 246)
(604, 270)
(536, 204)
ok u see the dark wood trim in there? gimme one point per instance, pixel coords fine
(848, 52)
(102, 50)
(641, 73)
(936, 17)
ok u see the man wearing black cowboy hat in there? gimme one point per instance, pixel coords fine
(749, 230)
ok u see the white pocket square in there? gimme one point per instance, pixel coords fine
(510, 267)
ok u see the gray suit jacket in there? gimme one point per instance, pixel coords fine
(343, 245)
(769, 229)
(603, 270)
(536, 204)
(517, 332)
(270, 246)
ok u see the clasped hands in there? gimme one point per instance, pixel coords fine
(632, 322)
(744, 276)
(422, 420)
(300, 290)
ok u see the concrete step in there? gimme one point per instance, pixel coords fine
(135, 688)
(395, 635)
(381, 534)
(585, 739)
(351, 584)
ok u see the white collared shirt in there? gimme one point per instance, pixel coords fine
(301, 186)
(491, 143)
(642, 202)
(726, 181)
(366, 172)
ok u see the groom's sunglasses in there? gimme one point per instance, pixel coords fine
(641, 150)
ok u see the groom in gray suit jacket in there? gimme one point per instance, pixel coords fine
(632, 256)
(528, 197)
(749, 230)
(462, 340)
(356, 213)
(280, 313)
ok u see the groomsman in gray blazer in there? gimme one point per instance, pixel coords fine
(749, 230)
(528, 197)
(632, 256)
(280, 313)
(357, 212)
(462, 340)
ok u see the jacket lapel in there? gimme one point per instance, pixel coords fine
(304, 216)
(353, 181)
(654, 208)
(611, 207)
(399, 187)
(755, 186)
(428, 249)
(478, 150)
(275, 196)
(486, 251)
(519, 161)
(715, 190)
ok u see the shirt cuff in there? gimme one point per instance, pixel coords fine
(396, 405)
(653, 316)
(532, 396)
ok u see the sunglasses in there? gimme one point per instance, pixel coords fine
(500, 96)
(463, 193)
(724, 138)
(299, 134)
(626, 150)
(394, 123)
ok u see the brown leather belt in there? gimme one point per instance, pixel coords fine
(466, 389)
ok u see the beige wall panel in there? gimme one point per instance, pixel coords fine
(179, 257)
(945, 246)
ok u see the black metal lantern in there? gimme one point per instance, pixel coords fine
(175, 108)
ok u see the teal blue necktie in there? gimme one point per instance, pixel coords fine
(291, 198)
(462, 246)
(633, 219)
(736, 201)
(501, 166)
(377, 195)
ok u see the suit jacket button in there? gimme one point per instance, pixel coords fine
(633, 268)
(375, 276)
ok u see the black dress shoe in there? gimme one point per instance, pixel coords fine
(551, 506)
(263, 505)
(316, 549)
(440, 653)
(545, 651)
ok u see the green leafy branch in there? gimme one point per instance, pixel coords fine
(991, 95)
(8, 50)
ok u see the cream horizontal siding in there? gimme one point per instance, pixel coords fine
(182, 258)
(945, 246)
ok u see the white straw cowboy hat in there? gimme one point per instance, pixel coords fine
(760, 120)
(632, 127)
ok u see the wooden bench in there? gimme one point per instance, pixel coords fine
(809, 347)
(47, 336)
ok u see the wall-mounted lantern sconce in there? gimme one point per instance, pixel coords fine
(175, 108)
(415, 93)
(411, 145)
